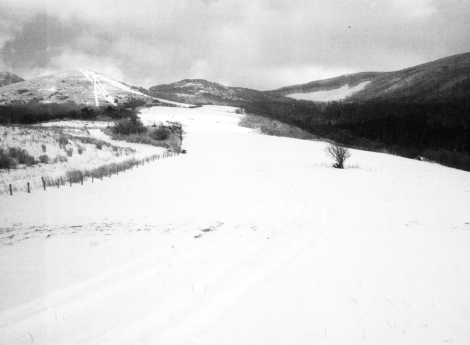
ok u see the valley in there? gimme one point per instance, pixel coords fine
(198, 213)
(246, 238)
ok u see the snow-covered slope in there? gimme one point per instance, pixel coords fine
(246, 239)
(80, 87)
(337, 94)
(87, 147)
(443, 80)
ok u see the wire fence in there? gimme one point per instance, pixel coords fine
(90, 175)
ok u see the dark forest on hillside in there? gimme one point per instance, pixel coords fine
(436, 131)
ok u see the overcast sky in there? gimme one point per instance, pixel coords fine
(253, 43)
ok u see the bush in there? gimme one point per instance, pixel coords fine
(44, 148)
(80, 150)
(339, 154)
(160, 133)
(6, 162)
(21, 156)
(44, 159)
(128, 126)
(69, 152)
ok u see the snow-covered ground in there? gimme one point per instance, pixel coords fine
(337, 94)
(87, 147)
(246, 239)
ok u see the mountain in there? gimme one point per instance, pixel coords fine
(78, 87)
(200, 91)
(445, 79)
(332, 89)
(7, 78)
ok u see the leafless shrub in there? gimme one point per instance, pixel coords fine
(339, 154)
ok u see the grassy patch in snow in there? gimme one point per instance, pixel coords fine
(273, 127)
(26, 146)
(28, 153)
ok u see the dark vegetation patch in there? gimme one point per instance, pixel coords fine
(11, 157)
(35, 112)
(269, 126)
(434, 131)
(169, 135)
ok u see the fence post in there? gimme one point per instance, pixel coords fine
(11, 189)
(81, 179)
(28, 187)
(43, 183)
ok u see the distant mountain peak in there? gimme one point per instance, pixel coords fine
(7, 78)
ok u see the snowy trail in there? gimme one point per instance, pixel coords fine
(245, 239)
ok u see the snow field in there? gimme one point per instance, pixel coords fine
(245, 239)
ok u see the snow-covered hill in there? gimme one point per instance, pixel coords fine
(442, 80)
(246, 239)
(200, 91)
(80, 87)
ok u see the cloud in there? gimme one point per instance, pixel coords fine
(416, 8)
(260, 43)
(38, 42)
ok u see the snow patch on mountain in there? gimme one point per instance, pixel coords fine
(337, 94)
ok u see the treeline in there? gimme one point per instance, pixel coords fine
(434, 131)
(35, 112)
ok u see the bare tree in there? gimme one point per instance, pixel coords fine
(339, 154)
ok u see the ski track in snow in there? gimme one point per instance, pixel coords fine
(246, 239)
(99, 87)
